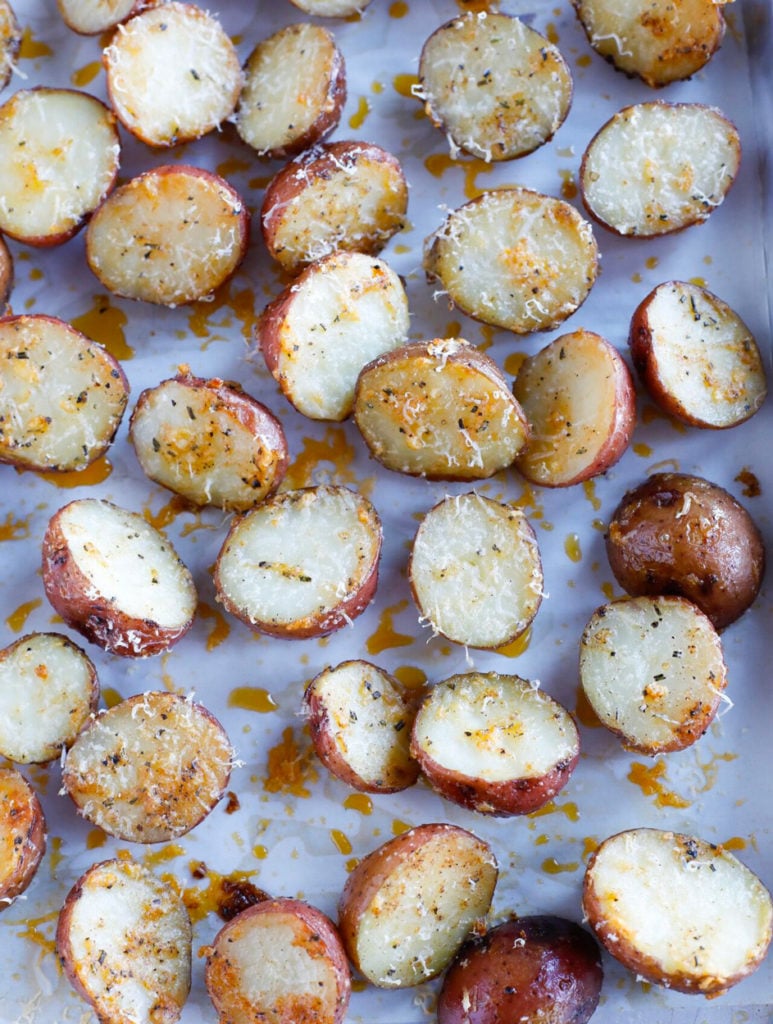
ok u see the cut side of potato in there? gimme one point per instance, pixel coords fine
(10, 41)
(172, 74)
(497, 88)
(579, 398)
(48, 690)
(209, 442)
(150, 768)
(93, 17)
(62, 396)
(653, 670)
(514, 258)
(677, 910)
(349, 196)
(331, 8)
(475, 571)
(302, 564)
(124, 940)
(655, 168)
(408, 906)
(440, 409)
(294, 91)
(116, 579)
(60, 152)
(171, 235)
(494, 743)
(360, 722)
(279, 961)
(697, 358)
(661, 41)
(340, 313)
(22, 834)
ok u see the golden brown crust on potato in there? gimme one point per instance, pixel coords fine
(22, 834)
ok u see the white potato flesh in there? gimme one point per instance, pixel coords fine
(172, 74)
(10, 41)
(678, 910)
(580, 401)
(62, 396)
(342, 312)
(514, 258)
(497, 87)
(697, 357)
(91, 17)
(331, 8)
(48, 689)
(440, 409)
(303, 563)
(661, 41)
(150, 768)
(124, 938)
(654, 168)
(22, 834)
(171, 235)
(475, 571)
(294, 90)
(653, 670)
(60, 151)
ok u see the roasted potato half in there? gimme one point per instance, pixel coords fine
(514, 258)
(93, 17)
(6, 275)
(209, 442)
(116, 579)
(655, 168)
(10, 41)
(124, 941)
(278, 961)
(677, 910)
(332, 8)
(497, 88)
(22, 834)
(676, 533)
(150, 768)
(696, 357)
(408, 906)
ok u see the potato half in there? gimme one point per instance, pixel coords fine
(655, 168)
(514, 258)
(332, 8)
(22, 834)
(93, 17)
(677, 910)
(124, 940)
(10, 41)
(408, 906)
(496, 87)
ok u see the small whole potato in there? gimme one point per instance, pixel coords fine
(529, 969)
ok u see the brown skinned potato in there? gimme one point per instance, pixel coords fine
(22, 834)
(681, 534)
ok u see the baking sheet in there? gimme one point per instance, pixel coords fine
(291, 828)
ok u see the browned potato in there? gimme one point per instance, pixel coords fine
(338, 195)
(294, 91)
(173, 74)
(661, 41)
(10, 41)
(360, 722)
(62, 396)
(303, 563)
(22, 834)
(124, 940)
(579, 399)
(696, 357)
(171, 235)
(150, 768)
(677, 910)
(653, 671)
(494, 743)
(680, 534)
(532, 970)
(6, 274)
(337, 315)
(48, 690)
(209, 441)
(116, 579)
(93, 17)
(408, 906)
(475, 571)
(60, 152)
(514, 258)
(655, 168)
(332, 8)
(277, 962)
(439, 409)
(496, 87)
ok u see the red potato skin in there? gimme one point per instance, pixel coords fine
(6, 274)
(529, 969)
(269, 324)
(27, 821)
